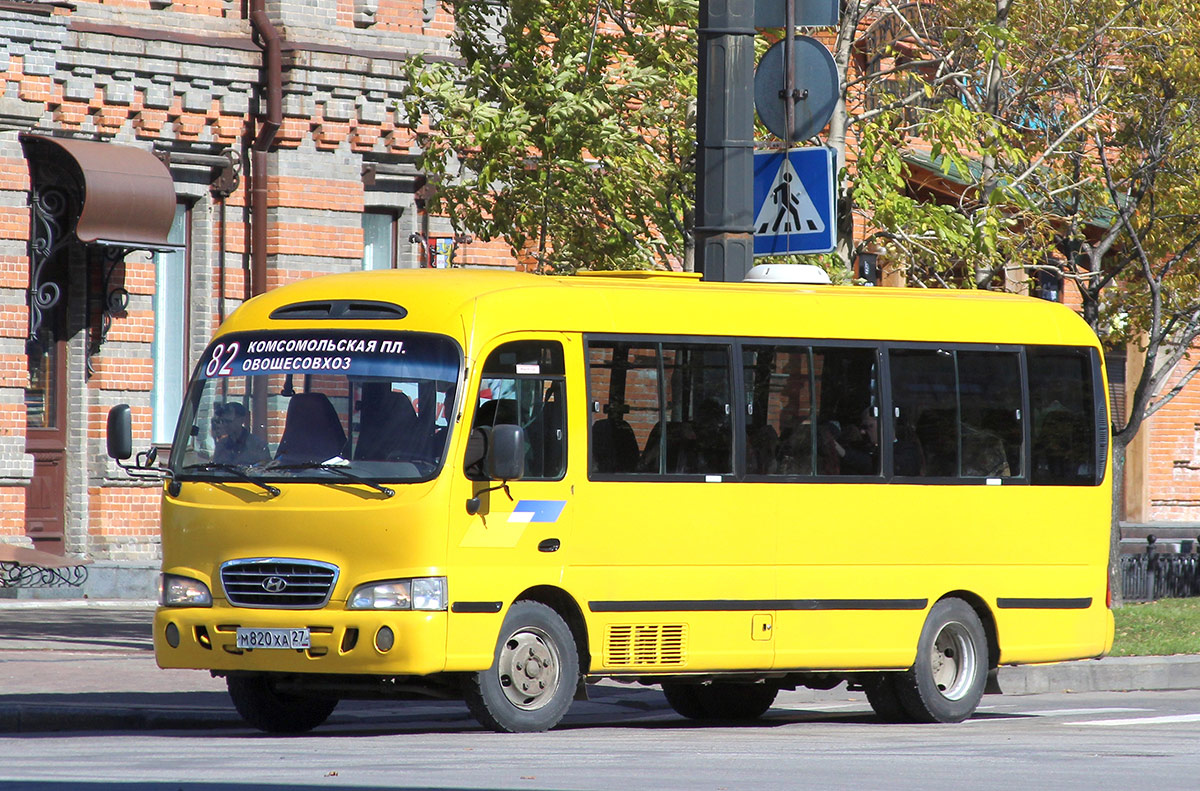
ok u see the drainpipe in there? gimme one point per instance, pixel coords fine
(268, 38)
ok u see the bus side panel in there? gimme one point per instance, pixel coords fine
(855, 583)
(674, 577)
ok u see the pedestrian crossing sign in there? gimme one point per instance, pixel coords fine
(794, 202)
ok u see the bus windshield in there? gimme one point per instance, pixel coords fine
(331, 405)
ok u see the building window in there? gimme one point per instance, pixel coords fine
(171, 288)
(379, 240)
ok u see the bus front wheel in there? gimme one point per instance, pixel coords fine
(261, 705)
(533, 676)
(946, 683)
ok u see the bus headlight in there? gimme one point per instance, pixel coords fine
(421, 593)
(177, 591)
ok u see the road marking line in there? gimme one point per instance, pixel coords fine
(814, 706)
(1167, 720)
(1078, 712)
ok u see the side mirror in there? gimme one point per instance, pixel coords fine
(120, 433)
(506, 456)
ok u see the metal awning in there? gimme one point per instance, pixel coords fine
(126, 194)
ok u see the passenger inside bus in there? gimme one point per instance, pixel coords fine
(312, 431)
(389, 426)
(614, 445)
(858, 446)
(907, 457)
(710, 427)
(233, 441)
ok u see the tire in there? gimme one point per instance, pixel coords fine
(260, 705)
(885, 702)
(720, 700)
(737, 702)
(947, 680)
(533, 676)
(685, 699)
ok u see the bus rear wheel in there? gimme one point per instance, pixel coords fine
(533, 676)
(720, 700)
(260, 704)
(947, 681)
(885, 702)
(685, 700)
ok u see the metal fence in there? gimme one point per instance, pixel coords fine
(1153, 575)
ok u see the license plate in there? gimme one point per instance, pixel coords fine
(273, 638)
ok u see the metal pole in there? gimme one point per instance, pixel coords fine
(789, 72)
(725, 140)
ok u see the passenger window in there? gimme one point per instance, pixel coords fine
(623, 397)
(925, 407)
(811, 411)
(1060, 397)
(660, 409)
(779, 426)
(524, 384)
(989, 391)
(695, 435)
(847, 410)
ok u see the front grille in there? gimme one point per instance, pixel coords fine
(278, 582)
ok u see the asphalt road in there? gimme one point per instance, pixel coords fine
(1093, 741)
(96, 713)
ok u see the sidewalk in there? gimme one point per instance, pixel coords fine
(86, 665)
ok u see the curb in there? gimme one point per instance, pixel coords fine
(76, 604)
(40, 718)
(1111, 674)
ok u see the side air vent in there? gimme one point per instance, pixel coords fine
(646, 645)
(340, 309)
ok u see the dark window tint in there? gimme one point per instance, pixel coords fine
(847, 411)
(779, 425)
(696, 431)
(925, 406)
(624, 403)
(523, 385)
(811, 410)
(989, 393)
(1060, 397)
(660, 409)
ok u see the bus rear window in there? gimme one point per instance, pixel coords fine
(1064, 424)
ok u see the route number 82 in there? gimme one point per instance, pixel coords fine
(222, 360)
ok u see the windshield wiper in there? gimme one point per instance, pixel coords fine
(339, 470)
(241, 473)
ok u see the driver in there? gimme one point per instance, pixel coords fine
(234, 442)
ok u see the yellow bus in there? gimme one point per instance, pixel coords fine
(500, 487)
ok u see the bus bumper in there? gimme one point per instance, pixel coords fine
(341, 641)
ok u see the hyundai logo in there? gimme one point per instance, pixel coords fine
(274, 584)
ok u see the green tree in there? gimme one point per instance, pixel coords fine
(564, 129)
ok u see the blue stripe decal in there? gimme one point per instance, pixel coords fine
(537, 511)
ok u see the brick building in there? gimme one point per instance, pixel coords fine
(275, 122)
(277, 127)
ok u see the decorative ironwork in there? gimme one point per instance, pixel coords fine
(24, 575)
(49, 205)
(115, 300)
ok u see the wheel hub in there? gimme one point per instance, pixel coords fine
(953, 661)
(529, 669)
